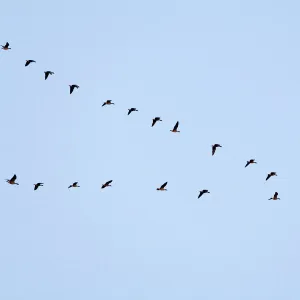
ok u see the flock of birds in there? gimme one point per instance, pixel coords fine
(13, 179)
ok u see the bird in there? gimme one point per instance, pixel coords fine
(162, 188)
(6, 46)
(12, 180)
(29, 61)
(251, 161)
(72, 87)
(107, 102)
(214, 147)
(47, 73)
(74, 185)
(270, 175)
(175, 127)
(155, 120)
(130, 110)
(107, 183)
(275, 197)
(36, 185)
(203, 192)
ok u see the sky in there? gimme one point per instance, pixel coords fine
(228, 71)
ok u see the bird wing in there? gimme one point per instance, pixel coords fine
(276, 194)
(75, 183)
(176, 126)
(71, 89)
(268, 176)
(104, 104)
(164, 185)
(35, 187)
(247, 164)
(6, 45)
(108, 182)
(129, 111)
(27, 63)
(213, 149)
(200, 194)
(153, 122)
(14, 178)
(46, 75)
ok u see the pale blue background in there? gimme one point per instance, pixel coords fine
(228, 71)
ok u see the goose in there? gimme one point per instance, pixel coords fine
(74, 185)
(130, 110)
(162, 188)
(155, 120)
(275, 197)
(251, 161)
(270, 175)
(107, 102)
(107, 183)
(175, 127)
(12, 180)
(203, 192)
(29, 61)
(47, 73)
(214, 147)
(36, 185)
(6, 46)
(72, 87)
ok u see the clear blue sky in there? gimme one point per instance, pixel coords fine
(228, 71)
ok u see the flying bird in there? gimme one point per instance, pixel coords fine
(5, 47)
(72, 87)
(155, 120)
(74, 185)
(36, 185)
(106, 184)
(203, 192)
(47, 73)
(130, 110)
(270, 175)
(275, 197)
(214, 147)
(29, 61)
(175, 127)
(251, 161)
(162, 188)
(107, 102)
(12, 180)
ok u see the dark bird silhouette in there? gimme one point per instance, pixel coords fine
(28, 62)
(72, 87)
(106, 184)
(5, 47)
(12, 180)
(251, 161)
(74, 185)
(203, 192)
(214, 147)
(275, 197)
(107, 102)
(175, 128)
(130, 110)
(155, 120)
(47, 73)
(36, 185)
(270, 175)
(162, 188)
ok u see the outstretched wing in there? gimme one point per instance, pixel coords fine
(268, 176)
(14, 177)
(164, 185)
(108, 182)
(213, 149)
(46, 75)
(6, 45)
(200, 194)
(247, 164)
(154, 121)
(176, 126)
(129, 111)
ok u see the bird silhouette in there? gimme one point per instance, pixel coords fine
(270, 175)
(107, 102)
(72, 87)
(130, 110)
(74, 185)
(275, 197)
(12, 180)
(47, 73)
(175, 127)
(203, 192)
(251, 161)
(155, 120)
(162, 188)
(6, 46)
(214, 147)
(106, 184)
(36, 185)
(29, 61)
